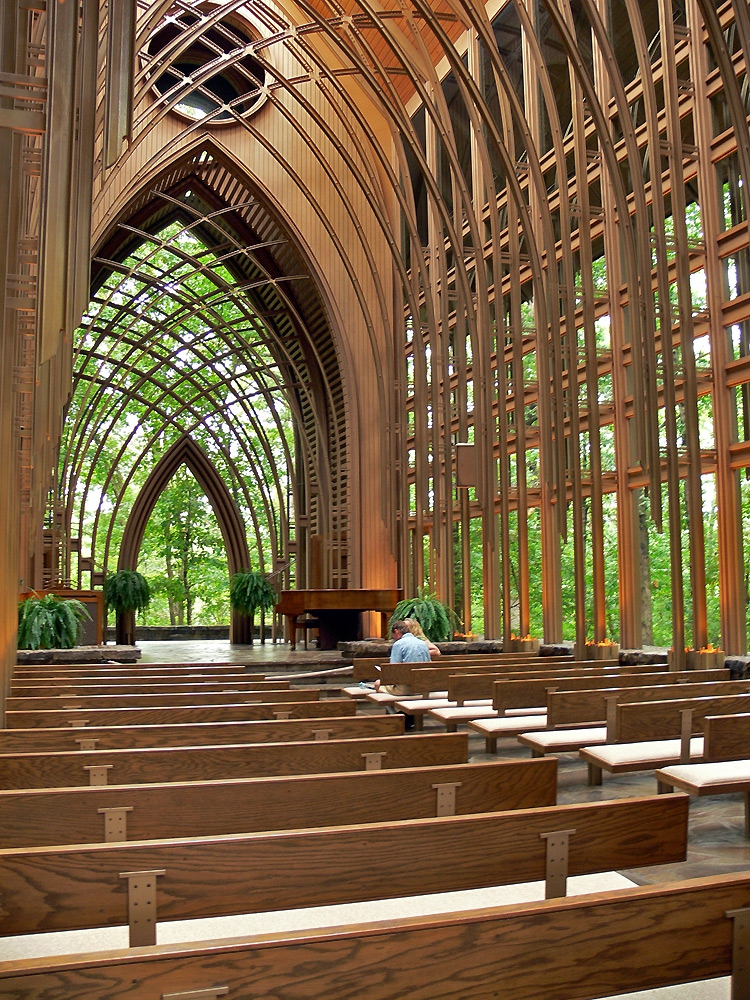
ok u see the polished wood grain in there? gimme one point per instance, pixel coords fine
(662, 720)
(462, 687)
(572, 708)
(579, 948)
(175, 716)
(49, 688)
(364, 666)
(39, 817)
(166, 699)
(200, 733)
(72, 887)
(403, 673)
(522, 694)
(726, 737)
(69, 769)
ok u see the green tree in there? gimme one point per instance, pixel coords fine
(183, 552)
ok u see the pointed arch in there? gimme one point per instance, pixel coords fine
(186, 452)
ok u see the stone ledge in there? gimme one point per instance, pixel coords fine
(80, 654)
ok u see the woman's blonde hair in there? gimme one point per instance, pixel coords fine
(415, 628)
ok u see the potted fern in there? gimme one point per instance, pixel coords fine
(250, 591)
(126, 592)
(50, 622)
(438, 621)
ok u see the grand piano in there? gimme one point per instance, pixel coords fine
(338, 612)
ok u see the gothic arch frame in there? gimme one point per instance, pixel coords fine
(186, 452)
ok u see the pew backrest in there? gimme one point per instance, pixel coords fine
(581, 707)
(524, 694)
(197, 696)
(464, 687)
(404, 673)
(199, 733)
(678, 933)
(726, 737)
(44, 817)
(364, 666)
(669, 719)
(247, 873)
(122, 767)
(323, 708)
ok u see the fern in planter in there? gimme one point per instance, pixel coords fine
(126, 592)
(50, 622)
(438, 621)
(250, 591)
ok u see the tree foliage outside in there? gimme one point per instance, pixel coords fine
(168, 348)
(50, 622)
(183, 553)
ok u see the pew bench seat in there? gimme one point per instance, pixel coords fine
(451, 718)
(623, 758)
(562, 740)
(717, 778)
(496, 728)
(419, 708)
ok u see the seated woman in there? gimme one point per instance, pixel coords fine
(416, 629)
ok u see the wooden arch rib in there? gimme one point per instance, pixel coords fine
(186, 452)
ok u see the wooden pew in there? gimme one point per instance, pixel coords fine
(676, 933)
(53, 690)
(364, 666)
(135, 670)
(585, 709)
(159, 764)
(473, 688)
(166, 699)
(81, 886)
(325, 708)
(439, 672)
(44, 817)
(523, 694)
(198, 734)
(467, 687)
(655, 734)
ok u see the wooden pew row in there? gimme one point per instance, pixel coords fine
(81, 886)
(592, 716)
(516, 694)
(364, 666)
(438, 672)
(198, 734)
(131, 670)
(657, 734)
(676, 933)
(174, 716)
(53, 690)
(165, 699)
(213, 763)
(44, 817)
(467, 686)
(475, 689)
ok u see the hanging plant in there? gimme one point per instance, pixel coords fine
(250, 591)
(126, 590)
(50, 622)
(438, 621)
